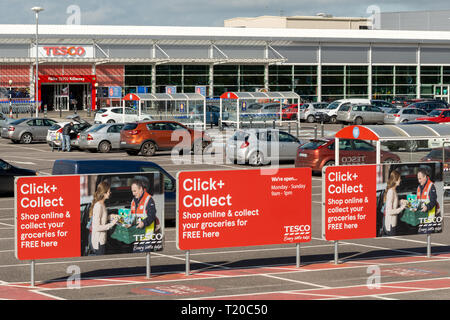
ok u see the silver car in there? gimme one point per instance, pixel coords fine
(27, 130)
(308, 110)
(4, 120)
(261, 146)
(403, 115)
(359, 114)
(101, 137)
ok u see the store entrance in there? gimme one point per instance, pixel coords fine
(65, 96)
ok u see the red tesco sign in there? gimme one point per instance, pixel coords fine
(64, 51)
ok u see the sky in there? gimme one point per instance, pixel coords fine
(202, 13)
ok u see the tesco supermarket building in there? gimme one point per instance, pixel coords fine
(96, 65)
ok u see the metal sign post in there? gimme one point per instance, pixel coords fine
(298, 254)
(336, 253)
(428, 245)
(148, 268)
(32, 272)
(187, 263)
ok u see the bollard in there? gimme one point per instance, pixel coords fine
(273, 124)
(60, 112)
(298, 133)
(315, 131)
(321, 129)
(45, 111)
(289, 128)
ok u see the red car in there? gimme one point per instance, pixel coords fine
(437, 115)
(150, 136)
(318, 153)
(290, 112)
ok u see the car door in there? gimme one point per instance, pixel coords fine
(113, 135)
(6, 177)
(288, 146)
(418, 113)
(131, 115)
(39, 130)
(378, 114)
(445, 116)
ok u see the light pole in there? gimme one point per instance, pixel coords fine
(36, 97)
(10, 96)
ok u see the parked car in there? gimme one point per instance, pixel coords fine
(150, 136)
(27, 130)
(397, 115)
(289, 112)
(8, 173)
(102, 137)
(261, 146)
(116, 115)
(5, 120)
(360, 114)
(54, 133)
(428, 106)
(308, 110)
(332, 108)
(437, 115)
(318, 153)
(66, 167)
(212, 114)
(383, 105)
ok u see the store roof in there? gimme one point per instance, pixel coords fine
(260, 95)
(164, 96)
(395, 132)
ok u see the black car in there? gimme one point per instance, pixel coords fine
(8, 173)
(428, 106)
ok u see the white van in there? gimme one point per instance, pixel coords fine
(333, 107)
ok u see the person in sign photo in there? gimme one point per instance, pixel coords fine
(391, 204)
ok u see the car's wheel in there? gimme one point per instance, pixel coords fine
(329, 163)
(132, 152)
(110, 121)
(404, 121)
(311, 118)
(26, 138)
(104, 146)
(148, 148)
(15, 141)
(390, 160)
(411, 146)
(256, 159)
(333, 120)
(359, 121)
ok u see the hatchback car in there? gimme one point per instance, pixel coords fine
(308, 110)
(150, 136)
(8, 173)
(397, 115)
(261, 146)
(27, 130)
(318, 153)
(102, 137)
(289, 112)
(360, 114)
(332, 109)
(438, 115)
(54, 133)
(116, 115)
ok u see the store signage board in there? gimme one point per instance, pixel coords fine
(233, 208)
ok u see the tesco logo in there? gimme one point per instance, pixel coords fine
(64, 51)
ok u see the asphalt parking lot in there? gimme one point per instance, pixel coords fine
(239, 273)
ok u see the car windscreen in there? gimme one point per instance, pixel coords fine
(434, 113)
(102, 111)
(55, 127)
(313, 144)
(130, 126)
(333, 105)
(96, 128)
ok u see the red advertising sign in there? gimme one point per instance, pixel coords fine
(233, 208)
(47, 220)
(350, 202)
